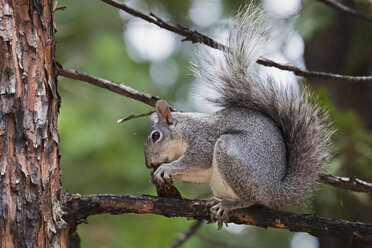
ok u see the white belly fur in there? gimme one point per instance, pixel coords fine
(220, 187)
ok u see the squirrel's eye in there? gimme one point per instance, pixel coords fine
(155, 136)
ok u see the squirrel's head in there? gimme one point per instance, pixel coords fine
(164, 142)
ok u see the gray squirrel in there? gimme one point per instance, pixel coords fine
(265, 147)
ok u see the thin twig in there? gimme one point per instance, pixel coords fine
(186, 235)
(112, 86)
(346, 10)
(350, 183)
(312, 74)
(131, 117)
(121, 89)
(195, 36)
(56, 7)
(60, 8)
(219, 242)
(81, 206)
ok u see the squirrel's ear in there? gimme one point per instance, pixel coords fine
(162, 108)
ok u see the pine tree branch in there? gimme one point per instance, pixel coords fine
(346, 10)
(112, 86)
(312, 74)
(350, 183)
(193, 36)
(79, 207)
(196, 37)
(186, 235)
(121, 89)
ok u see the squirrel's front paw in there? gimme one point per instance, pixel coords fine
(162, 175)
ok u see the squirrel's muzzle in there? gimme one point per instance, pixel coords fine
(151, 163)
(148, 163)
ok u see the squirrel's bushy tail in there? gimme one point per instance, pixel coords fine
(303, 124)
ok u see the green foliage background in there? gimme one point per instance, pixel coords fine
(101, 156)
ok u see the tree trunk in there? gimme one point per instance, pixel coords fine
(30, 209)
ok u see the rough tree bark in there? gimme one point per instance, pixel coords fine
(30, 210)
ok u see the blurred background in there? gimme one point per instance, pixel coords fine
(101, 156)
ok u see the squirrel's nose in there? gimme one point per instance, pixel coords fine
(148, 163)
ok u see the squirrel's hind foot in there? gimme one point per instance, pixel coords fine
(220, 209)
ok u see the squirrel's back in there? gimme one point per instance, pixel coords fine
(302, 123)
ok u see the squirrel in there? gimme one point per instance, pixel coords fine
(265, 146)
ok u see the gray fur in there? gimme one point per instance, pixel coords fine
(268, 143)
(302, 123)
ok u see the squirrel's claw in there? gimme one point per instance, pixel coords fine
(162, 175)
(220, 213)
(158, 176)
